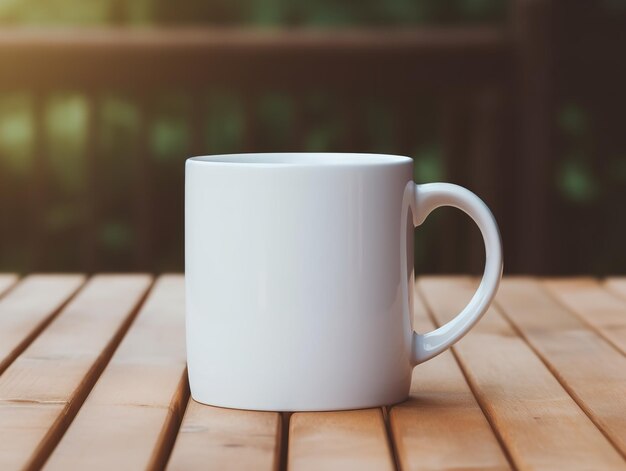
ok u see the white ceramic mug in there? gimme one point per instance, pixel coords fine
(299, 274)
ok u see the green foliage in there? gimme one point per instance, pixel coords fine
(262, 13)
(169, 132)
(572, 121)
(325, 127)
(66, 132)
(224, 123)
(575, 178)
(576, 182)
(589, 172)
(116, 235)
(117, 139)
(275, 112)
(16, 134)
(62, 216)
(335, 13)
(55, 12)
(380, 126)
(321, 138)
(428, 165)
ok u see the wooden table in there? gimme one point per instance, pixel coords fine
(92, 376)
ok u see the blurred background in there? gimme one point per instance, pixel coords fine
(522, 101)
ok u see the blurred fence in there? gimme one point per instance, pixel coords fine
(472, 106)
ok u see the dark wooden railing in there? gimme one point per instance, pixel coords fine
(491, 88)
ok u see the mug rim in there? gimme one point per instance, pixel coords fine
(301, 159)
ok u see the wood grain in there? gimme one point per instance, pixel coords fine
(600, 309)
(226, 439)
(26, 309)
(7, 280)
(591, 370)
(441, 426)
(90, 58)
(538, 384)
(540, 424)
(44, 387)
(346, 440)
(130, 419)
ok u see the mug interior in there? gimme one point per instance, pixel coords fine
(303, 159)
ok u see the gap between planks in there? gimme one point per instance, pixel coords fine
(241, 439)
(171, 423)
(130, 419)
(332, 446)
(412, 436)
(229, 439)
(595, 305)
(171, 426)
(585, 364)
(442, 426)
(28, 308)
(285, 420)
(390, 440)
(538, 421)
(41, 391)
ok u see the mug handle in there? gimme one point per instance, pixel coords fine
(423, 200)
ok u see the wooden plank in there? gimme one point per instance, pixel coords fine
(442, 426)
(42, 390)
(143, 194)
(485, 168)
(339, 441)
(40, 193)
(533, 28)
(130, 419)
(7, 280)
(617, 286)
(177, 40)
(223, 439)
(352, 113)
(27, 309)
(453, 132)
(539, 423)
(198, 123)
(93, 188)
(587, 366)
(596, 306)
(251, 138)
(300, 121)
(236, 56)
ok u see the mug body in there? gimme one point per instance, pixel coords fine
(297, 267)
